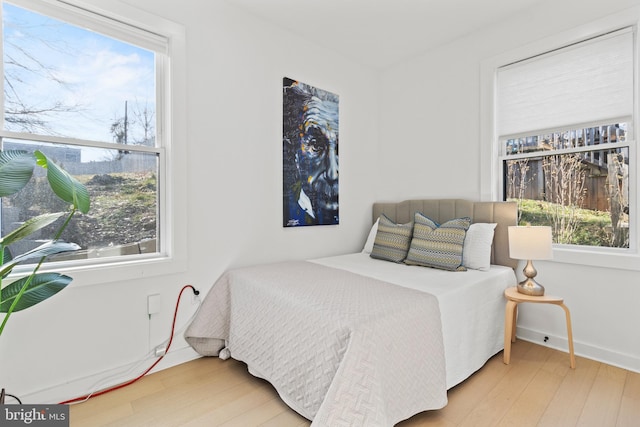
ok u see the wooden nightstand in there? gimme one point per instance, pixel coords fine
(513, 299)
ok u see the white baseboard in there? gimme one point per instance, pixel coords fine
(82, 386)
(109, 378)
(621, 360)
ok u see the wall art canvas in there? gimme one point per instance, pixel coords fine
(310, 155)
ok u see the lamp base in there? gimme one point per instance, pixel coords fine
(531, 287)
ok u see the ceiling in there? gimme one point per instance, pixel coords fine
(379, 33)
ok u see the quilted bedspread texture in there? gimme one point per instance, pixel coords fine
(341, 349)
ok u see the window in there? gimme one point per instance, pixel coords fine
(565, 140)
(574, 182)
(88, 91)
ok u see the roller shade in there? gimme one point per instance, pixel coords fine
(588, 82)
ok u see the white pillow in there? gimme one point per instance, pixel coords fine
(476, 252)
(368, 245)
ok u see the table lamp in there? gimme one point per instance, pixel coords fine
(529, 243)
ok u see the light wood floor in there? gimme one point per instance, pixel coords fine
(536, 389)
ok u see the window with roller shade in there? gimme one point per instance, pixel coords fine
(566, 142)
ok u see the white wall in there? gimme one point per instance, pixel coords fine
(430, 142)
(235, 66)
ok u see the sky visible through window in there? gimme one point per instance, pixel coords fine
(79, 80)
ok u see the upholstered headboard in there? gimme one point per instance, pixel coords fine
(442, 210)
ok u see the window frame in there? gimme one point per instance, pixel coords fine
(167, 39)
(492, 153)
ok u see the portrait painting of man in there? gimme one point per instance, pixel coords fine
(310, 155)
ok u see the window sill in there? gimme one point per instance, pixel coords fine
(119, 270)
(618, 259)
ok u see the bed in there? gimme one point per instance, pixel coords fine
(358, 339)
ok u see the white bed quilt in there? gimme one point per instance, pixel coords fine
(340, 348)
(471, 305)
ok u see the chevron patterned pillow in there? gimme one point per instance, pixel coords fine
(392, 240)
(438, 246)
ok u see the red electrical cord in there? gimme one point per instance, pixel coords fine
(119, 386)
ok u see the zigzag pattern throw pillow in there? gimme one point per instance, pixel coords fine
(438, 246)
(392, 240)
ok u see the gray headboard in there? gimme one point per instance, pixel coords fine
(442, 210)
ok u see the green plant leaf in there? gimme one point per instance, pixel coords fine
(42, 286)
(46, 249)
(6, 255)
(64, 185)
(16, 169)
(29, 227)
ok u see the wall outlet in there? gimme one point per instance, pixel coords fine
(153, 304)
(160, 350)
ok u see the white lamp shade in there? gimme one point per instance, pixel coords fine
(530, 242)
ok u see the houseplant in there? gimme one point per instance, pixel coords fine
(16, 170)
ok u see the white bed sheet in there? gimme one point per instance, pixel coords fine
(471, 305)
